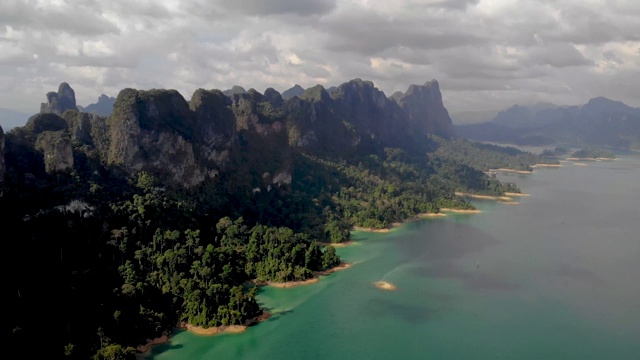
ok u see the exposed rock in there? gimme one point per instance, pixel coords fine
(424, 108)
(58, 103)
(57, 149)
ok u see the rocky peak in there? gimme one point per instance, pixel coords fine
(425, 110)
(235, 89)
(58, 103)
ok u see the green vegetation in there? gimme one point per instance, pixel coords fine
(118, 253)
(593, 153)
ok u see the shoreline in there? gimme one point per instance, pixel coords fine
(396, 225)
(485, 197)
(313, 280)
(513, 171)
(461, 211)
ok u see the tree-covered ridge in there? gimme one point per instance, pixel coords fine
(139, 260)
(593, 153)
(487, 156)
(164, 211)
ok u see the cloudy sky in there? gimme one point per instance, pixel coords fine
(486, 54)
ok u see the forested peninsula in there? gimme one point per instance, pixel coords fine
(170, 211)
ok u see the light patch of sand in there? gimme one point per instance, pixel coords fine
(340, 244)
(580, 164)
(509, 202)
(384, 285)
(460, 211)
(199, 330)
(313, 280)
(513, 171)
(486, 197)
(515, 194)
(373, 230)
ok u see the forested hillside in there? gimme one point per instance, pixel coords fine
(170, 211)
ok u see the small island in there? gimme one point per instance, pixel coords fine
(590, 153)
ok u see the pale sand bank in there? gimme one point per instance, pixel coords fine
(509, 202)
(313, 280)
(486, 197)
(340, 244)
(199, 330)
(384, 285)
(460, 211)
(580, 164)
(515, 194)
(373, 230)
(513, 171)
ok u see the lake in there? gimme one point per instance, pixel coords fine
(555, 277)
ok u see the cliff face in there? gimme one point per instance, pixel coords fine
(58, 103)
(246, 138)
(424, 109)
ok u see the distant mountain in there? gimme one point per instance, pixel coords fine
(296, 90)
(236, 89)
(11, 118)
(103, 107)
(599, 122)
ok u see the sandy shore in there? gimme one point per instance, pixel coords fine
(313, 280)
(580, 164)
(199, 330)
(509, 202)
(373, 230)
(515, 194)
(486, 197)
(384, 285)
(461, 211)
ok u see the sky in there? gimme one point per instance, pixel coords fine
(485, 54)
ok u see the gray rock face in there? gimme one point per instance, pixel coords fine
(296, 90)
(57, 149)
(424, 108)
(58, 103)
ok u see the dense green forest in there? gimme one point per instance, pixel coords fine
(112, 255)
(593, 153)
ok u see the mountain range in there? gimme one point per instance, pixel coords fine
(599, 122)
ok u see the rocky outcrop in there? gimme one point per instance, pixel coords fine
(58, 103)
(425, 110)
(57, 149)
(246, 139)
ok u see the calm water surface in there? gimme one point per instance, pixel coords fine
(555, 277)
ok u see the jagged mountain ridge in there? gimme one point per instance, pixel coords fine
(599, 122)
(103, 107)
(248, 133)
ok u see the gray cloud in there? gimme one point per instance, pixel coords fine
(485, 54)
(278, 7)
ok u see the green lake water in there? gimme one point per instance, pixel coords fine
(555, 277)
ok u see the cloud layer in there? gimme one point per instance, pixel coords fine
(486, 54)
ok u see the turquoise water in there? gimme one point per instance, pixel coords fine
(555, 277)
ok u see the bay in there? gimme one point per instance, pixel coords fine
(554, 277)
